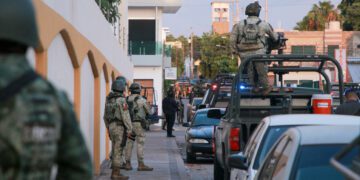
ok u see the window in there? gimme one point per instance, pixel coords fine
(272, 159)
(225, 10)
(331, 50)
(217, 19)
(284, 157)
(217, 9)
(224, 19)
(301, 50)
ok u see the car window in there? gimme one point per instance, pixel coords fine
(256, 137)
(196, 102)
(201, 119)
(313, 161)
(271, 135)
(272, 159)
(253, 136)
(283, 160)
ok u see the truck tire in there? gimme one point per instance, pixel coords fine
(218, 170)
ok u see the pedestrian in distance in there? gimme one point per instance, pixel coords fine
(351, 105)
(118, 123)
(249, 37)
(170, 108)
(139, 110)
(38, 126)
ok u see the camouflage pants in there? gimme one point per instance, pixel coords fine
(257, 72)
(140, 141)
(116, 133)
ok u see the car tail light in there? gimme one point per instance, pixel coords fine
(234, 139)
(214, 87)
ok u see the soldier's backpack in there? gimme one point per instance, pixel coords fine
(110, 108)
(250, 37)
(132, 107)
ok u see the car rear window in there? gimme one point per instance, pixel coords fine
(313, 161)
(272, 134)
(201, 119)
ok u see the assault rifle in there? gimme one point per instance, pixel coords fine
(279, 45)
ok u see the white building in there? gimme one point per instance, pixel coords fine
(146, 42)
(79, 54)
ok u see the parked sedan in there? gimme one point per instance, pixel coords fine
(305, 152)
(269, 130)
(199, 135)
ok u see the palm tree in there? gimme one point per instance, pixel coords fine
(318, 16)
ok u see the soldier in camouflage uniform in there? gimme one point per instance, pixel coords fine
(139, 109)
(117, 121)
(38, 127)
(248, 37)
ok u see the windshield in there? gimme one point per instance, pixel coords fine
(196, 102)
(201, 119)
(313, 161)
(271, 135)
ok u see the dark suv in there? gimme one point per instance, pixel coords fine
(246, 109)
(219, 92)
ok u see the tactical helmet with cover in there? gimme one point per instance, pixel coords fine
(135, 88)
(253, 9)
(118, 86)
(122, 78)
(18, 23)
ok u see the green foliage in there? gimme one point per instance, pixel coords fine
(350, 12)
(212, 49)
(110, 9)
(317, 17)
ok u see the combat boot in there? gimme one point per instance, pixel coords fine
(128, 166)
(143, 167)
(115, 175)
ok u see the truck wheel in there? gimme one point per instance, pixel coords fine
(190, 157)
(218, 170)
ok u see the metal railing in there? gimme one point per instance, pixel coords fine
(149, 48)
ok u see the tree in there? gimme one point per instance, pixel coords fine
(350, 12)
(317, 17)
(110, 9)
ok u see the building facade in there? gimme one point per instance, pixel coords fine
(334, 42)
(147, 43)
(220, 17)
(79, 54)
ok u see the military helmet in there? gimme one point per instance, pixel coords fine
(135, 88)
(122, 78)
(253, 9)
(18, 23)
(118, 86)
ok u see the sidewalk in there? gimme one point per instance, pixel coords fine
(161, 153)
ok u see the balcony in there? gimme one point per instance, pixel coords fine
(148, 53)
(169, 6)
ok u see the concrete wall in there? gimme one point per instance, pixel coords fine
(60, 68)
(80, 54)
(155, 73)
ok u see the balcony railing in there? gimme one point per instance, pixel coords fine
(149, 48)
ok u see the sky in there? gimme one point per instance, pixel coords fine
(195, 15)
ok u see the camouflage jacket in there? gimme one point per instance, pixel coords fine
(38, 129)
(265, 31)
(141, 107)
(116, 109)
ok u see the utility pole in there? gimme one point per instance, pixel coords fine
(191, 55)
(266, 11)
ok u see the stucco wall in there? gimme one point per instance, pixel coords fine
(60, 69)
(87, 104)
(102, 124)
(155, 73)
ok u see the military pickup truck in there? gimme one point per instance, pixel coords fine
(247, 109)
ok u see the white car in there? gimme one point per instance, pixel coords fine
(305, 152)
(268, 131)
